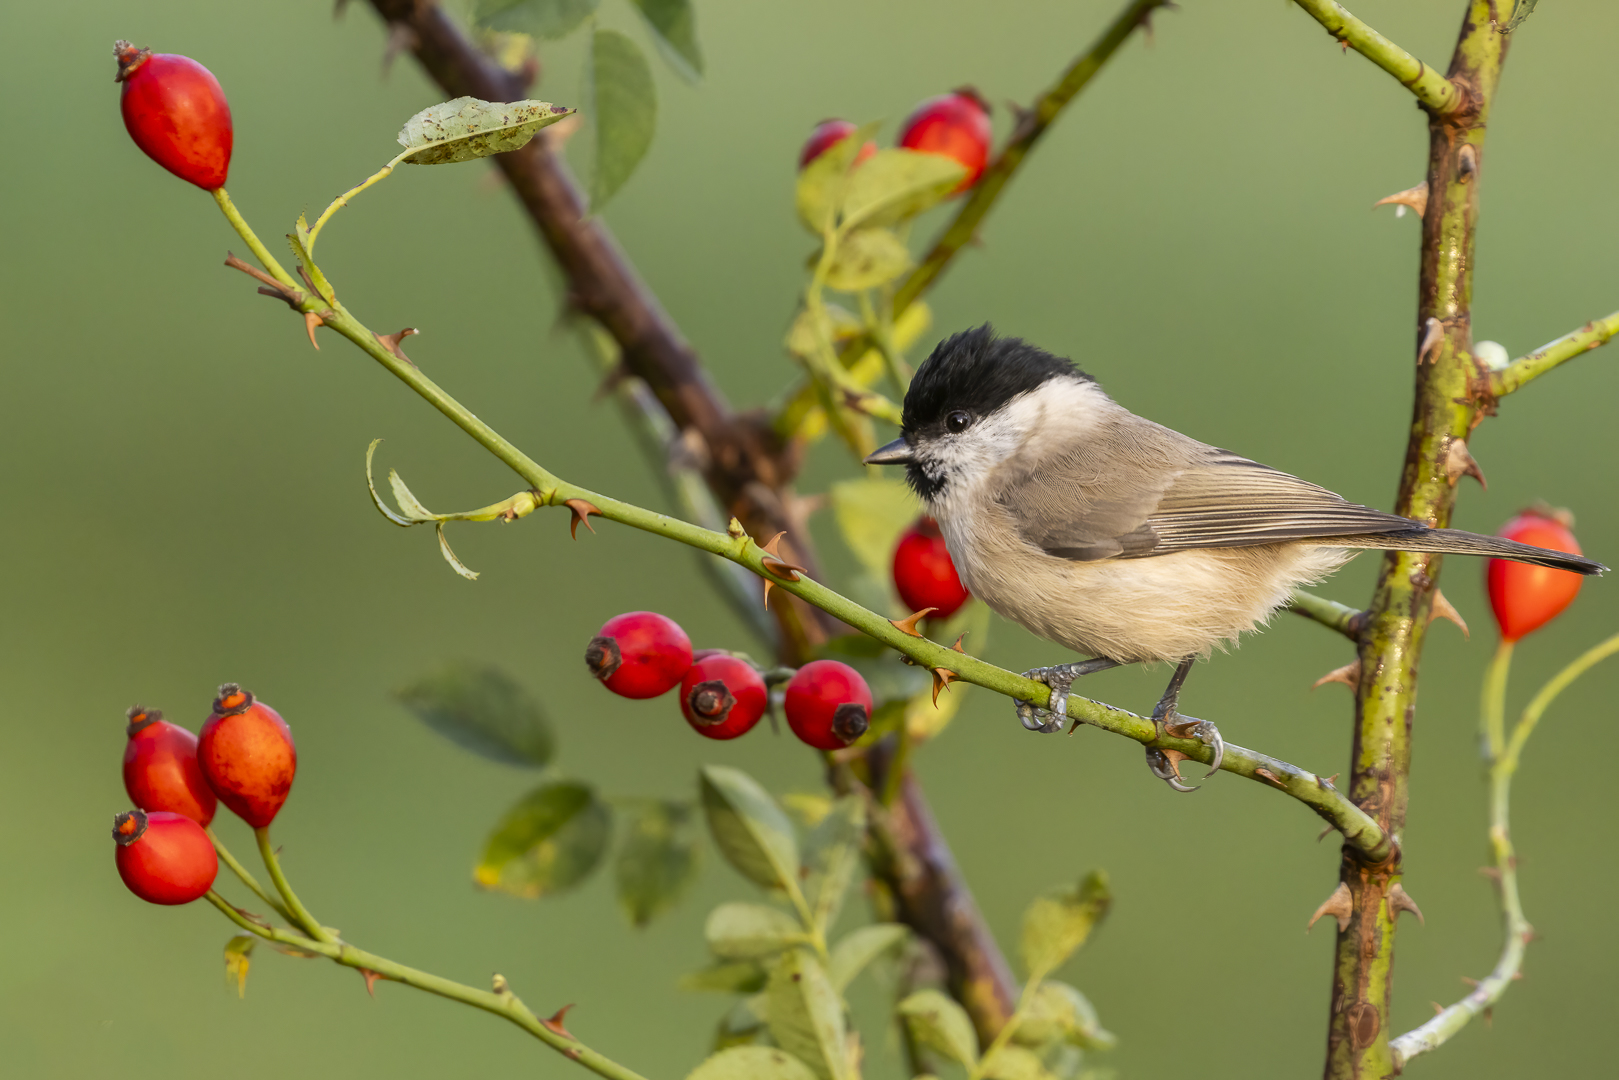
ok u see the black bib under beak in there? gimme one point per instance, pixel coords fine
(898, 452)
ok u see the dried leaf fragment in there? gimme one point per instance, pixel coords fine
(1340, 905)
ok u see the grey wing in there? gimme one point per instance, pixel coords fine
(1167, 493)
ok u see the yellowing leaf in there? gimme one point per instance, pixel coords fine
(895, 184)
(238, 955)
(937, 1021)
(547, 843)
(867, 258)
(1057, 924)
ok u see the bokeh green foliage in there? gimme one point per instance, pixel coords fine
(186, 508)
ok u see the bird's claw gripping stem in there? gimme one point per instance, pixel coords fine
(1060, 678)
(1166, 718)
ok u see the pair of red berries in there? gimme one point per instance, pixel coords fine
(642, 654)
(176, 112)
(244, 758)
(955, 125)
(1523, 597)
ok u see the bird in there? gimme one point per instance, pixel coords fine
(1119, 538)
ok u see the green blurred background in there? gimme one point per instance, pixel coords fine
(184, 506)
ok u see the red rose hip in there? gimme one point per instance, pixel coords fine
(828, 704)
(164, 858)
(955, 125)
(639, 654)
(161, 770)
(176, 112)
(924, 575)
(247, 756)
(1524, 597)
(827, 134)
(722, 696)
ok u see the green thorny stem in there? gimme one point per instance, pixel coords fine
(1447, 407)
(1503, 755)
(1317, 792)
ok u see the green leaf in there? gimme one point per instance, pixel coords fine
(1520, 11)
(1015, 1063)
(547, 843)
(483, 710)
(752, 1063)
(738, 931)
(238, 955)
(674, 27)
(1060, 1012)
(895, 184)
(871, 514)
(743, 1024)
(832, 854)
(822, 182)
(804, 338)
(658, 860)
(625, 111)
(937, 1021)
(859, 948)
(805, 1014)
(468, 128)
(1058, 923)
(727, 977)
(867, 258)
(750, 830)
(542, 18)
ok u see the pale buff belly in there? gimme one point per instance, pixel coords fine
(1166, 607)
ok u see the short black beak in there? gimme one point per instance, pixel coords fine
(897, 452)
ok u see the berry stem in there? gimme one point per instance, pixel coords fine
(246, 877)
(503, 1004)
(1504, 763)
(296, 910)
(1492, 712)
(254, 244)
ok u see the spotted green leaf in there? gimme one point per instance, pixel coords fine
(547, 843)
(484, 710)
(467, 128)
(1057, 924)
(674, 28)
(937, 1021)
(624, 111)
(750, 830)
(752, 1063)
(658, 860)
(805, 1014)
(1521, 10)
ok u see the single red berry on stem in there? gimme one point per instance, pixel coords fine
(1524, 597)
(955, 125)
(827, 134)
(924, 575)
(247, 756)
(722, 696)
(828, 704)
(176, 112)
(161, 770)
(639, 654)
(164, 858)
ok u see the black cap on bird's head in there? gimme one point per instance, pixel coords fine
(968, 376)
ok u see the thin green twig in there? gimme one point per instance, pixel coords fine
(299, 914)
(1329, 613)
(247, 878)
(502, 1002)
(1532, 366)
(1504, 763)
(1431, 88)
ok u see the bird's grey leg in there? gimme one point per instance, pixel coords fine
(1059, 678)
(1166, 717)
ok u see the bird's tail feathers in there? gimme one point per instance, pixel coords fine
(1455, 541)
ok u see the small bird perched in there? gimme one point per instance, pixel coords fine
(1120, 538)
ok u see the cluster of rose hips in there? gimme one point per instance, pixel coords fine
(244, 758)
(642, 654)
(1524, 597)
(955, 125)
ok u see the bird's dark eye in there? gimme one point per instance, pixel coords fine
(958, 421)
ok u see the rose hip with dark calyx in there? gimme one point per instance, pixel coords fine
(828, 704)
(164, 858)
(161, 770)
(1524, 597)
(955, 125)
(176, 112)
(924, 574)
(639, 654)
(247, 756)
(723, 696)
